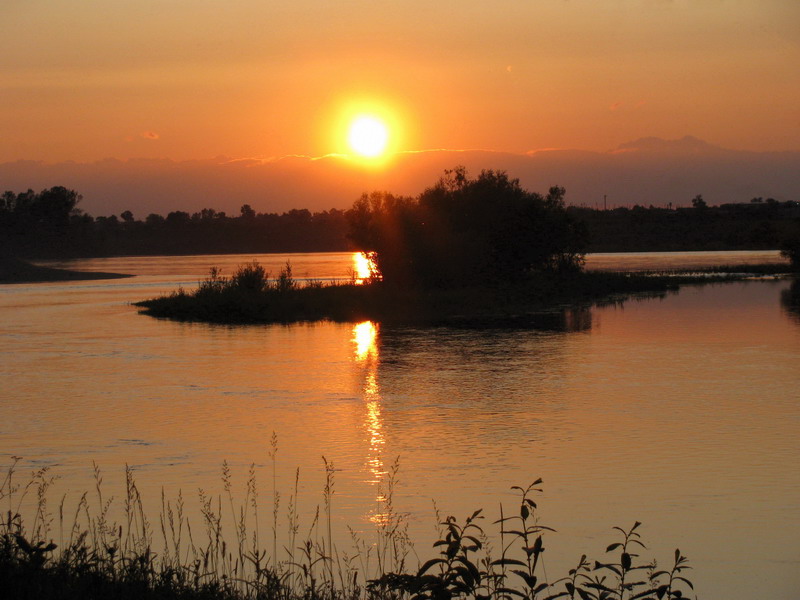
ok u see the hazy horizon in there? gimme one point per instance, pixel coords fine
(645, 171)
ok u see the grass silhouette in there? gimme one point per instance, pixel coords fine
(220, 556)
(250, 295)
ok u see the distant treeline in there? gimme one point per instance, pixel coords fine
(49, 224)
(757, 225)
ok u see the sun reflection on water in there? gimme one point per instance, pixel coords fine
(365, 337)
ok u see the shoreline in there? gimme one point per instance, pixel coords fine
(14, 270)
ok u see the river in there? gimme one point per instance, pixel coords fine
(682, 412)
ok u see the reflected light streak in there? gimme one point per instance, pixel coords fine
(365, 337)
(374, 425)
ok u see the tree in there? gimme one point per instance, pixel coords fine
(699, 203)
(461, 229)
(790, 248)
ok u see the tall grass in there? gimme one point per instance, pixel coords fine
(85, 554)
(251, 295)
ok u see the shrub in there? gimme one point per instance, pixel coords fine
(461, 229)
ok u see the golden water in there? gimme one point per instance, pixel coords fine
(681, 412)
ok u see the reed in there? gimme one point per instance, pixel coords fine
(96, 557)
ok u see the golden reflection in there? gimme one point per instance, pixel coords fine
(365, 337)
(374, 426)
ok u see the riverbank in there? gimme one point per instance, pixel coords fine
(249, 296)
(14, 270)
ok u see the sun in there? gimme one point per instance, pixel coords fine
(368, 136)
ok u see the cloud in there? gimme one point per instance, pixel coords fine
(150, 135)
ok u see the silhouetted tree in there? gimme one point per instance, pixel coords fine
(790, 248)
(699, 203)
(461, 229)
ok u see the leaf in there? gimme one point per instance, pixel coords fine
(508, 561)
(686, 581)
(657, 574)
(466, 575)
(626, 561)
(613, 546)
(528, 579)
(428, 565)
(514, 532)
(476, 574)
(474, 540)
(584, 594)
(610, 567)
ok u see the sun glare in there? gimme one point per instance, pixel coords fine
(363, 269)
(368, 136)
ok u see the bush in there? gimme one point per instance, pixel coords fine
(790, 248)
(461, 229)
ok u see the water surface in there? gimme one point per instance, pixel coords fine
(680, 412)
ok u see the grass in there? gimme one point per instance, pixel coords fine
(222, 555)
(251, 296)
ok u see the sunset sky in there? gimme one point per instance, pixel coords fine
(193, 79)
(257, 78)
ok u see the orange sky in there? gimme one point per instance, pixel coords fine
(186, 79)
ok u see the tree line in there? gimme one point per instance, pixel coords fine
(486, 214)
(50, 224)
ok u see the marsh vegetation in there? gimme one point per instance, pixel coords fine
(83, 552)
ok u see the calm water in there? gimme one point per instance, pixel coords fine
(681, 412)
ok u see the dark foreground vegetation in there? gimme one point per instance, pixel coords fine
(50, 224)
(84, 554)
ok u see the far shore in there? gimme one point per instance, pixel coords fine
(14, 270)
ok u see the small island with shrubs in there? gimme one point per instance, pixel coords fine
(464, 249)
